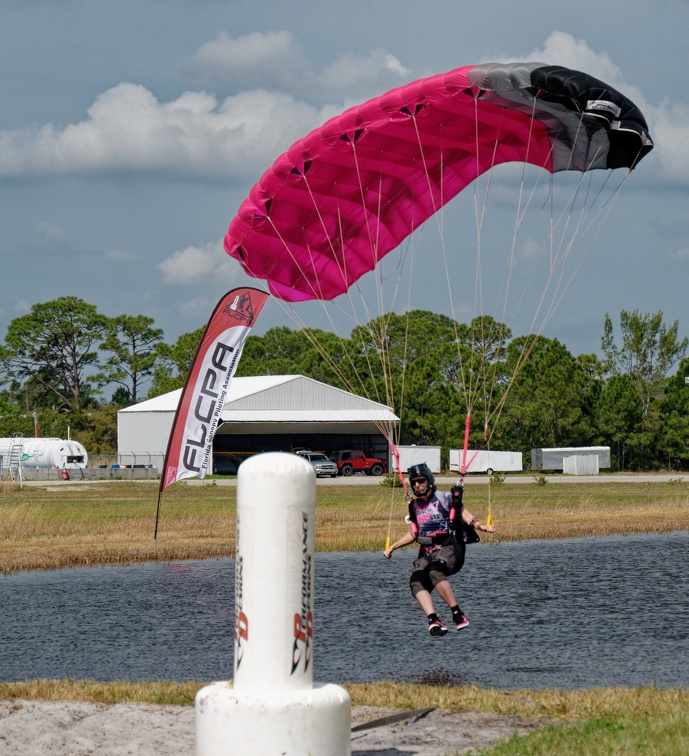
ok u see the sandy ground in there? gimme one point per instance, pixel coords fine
(37, 728)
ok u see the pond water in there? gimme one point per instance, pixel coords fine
(565, 614)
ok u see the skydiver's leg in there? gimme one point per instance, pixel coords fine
(444, 590)
(421, 587)
(449, 562)
(425, 602)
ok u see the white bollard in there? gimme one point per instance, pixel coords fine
(273, 707)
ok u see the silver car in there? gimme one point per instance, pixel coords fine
(321, 464)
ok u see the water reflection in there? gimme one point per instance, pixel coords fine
(566, 614)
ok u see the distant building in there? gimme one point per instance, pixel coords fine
(263, 413)
(575, 460)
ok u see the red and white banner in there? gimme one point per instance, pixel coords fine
(190, 448)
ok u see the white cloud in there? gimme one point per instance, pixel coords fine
(194, 265)
(128, 129)
(351, 74)
(563, 49)
(668, 122)
(274, 59)
(670, 129)
(260, 58)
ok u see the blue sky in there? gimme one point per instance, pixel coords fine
(131, 131)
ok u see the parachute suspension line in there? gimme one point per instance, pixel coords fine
(558, 255)
(607, 206)
(478, 375)
(341, 262)
(404, 360)
(491, 417)
(320, 348)
(440, 223)
(487, 339)
(561, 252)
(378, 331)
(393, 446)
(289, 310)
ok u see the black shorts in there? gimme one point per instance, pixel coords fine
(430, 569)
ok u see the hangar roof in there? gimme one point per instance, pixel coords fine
(282, 398)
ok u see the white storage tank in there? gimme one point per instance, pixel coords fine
(45, 453)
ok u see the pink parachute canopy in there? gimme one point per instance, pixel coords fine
(351, 191)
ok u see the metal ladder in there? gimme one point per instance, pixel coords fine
(15, 461)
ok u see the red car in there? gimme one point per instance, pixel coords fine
(349, 461)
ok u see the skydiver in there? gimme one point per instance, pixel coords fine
(435, 517)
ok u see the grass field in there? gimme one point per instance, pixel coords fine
(59, 525)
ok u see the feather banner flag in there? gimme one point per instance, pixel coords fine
(190, 447)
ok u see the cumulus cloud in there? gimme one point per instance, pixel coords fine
(199, 264)
(668, 122)
(561, 48)
(199, 135)
(275, 59)
(258, 59)
(128, 129)
(670, 129)
(376, 72)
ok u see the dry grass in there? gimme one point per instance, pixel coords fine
(9, 486)
(568, 705)
(181, 694)
(113, 523)
(552, 704)
(46, 528)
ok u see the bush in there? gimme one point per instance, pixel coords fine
(391, 480)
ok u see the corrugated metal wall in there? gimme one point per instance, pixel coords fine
(300, 393)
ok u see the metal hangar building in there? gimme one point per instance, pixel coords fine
(263, 413)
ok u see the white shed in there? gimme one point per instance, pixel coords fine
(264, 413)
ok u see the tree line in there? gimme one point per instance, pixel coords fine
(58, 359)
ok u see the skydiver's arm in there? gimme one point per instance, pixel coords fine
(473, 521)
(405, 540)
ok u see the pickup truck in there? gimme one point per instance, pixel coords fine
(349, 461)
(321, 464)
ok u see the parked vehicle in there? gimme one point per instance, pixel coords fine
(321, 464)
(349, 461)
